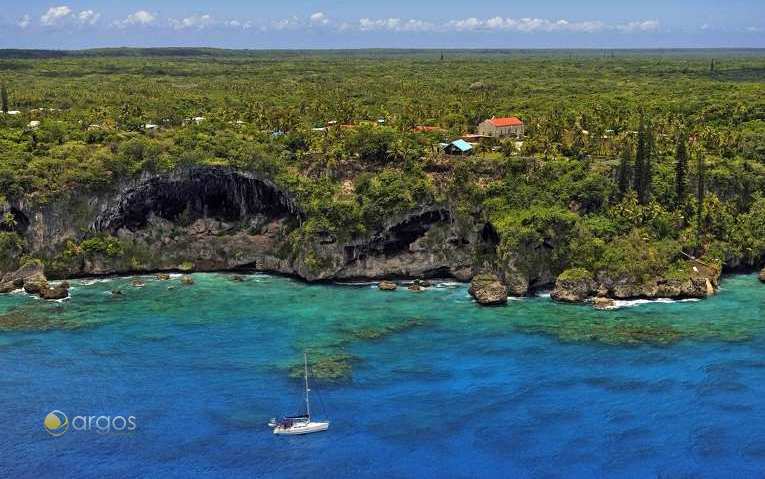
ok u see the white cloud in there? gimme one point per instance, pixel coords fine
(319, 18)
(394, 25)
(54, 15)
(286, 24)
(88, 17)
(524, 25)
(237, 24)
(754, 29)
(642, 26)
(24, 21)
(141, 17)
(194, 21)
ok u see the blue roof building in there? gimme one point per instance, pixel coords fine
(459, 147)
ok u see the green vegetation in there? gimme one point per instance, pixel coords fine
(576, 274)
(620, 150)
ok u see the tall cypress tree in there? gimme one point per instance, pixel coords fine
(4, 98)
(700, 194)
(640, 157)
(625, 170)
(650, 148)
(681, 171)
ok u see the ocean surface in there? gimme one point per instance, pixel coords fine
(416, 385)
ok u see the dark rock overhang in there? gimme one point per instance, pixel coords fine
(198, 192)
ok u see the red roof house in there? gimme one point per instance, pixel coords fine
(501, 127)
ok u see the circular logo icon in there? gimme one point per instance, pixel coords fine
(56, 423)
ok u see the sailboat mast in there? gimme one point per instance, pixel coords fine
(307, 404)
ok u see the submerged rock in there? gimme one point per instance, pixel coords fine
(416, 288)
(237, 278)
(574, 286)
(335, 367)
(488, 290)
(187, 280)
(137, 283)
(762, 275)
(379, 331)
(387, 286)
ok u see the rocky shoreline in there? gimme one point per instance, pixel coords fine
(206, 219)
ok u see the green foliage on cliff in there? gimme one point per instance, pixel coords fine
(575, 274)
(102, 244)
(11, 250)
(568, 195)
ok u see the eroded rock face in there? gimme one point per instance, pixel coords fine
(216, 218)
(701, 282)
(203, 192)
(488, 290)
(574, 288)
(387, 286)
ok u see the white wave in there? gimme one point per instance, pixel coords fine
(92, 281)
(357, 283)
(449, 284)
(631, 303)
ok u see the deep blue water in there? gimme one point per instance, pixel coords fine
(534, 389)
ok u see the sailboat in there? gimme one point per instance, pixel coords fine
(294, 425)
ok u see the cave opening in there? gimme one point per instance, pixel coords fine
(203, 193)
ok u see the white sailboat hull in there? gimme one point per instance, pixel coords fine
(301, 428)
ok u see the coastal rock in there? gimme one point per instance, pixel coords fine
(603, 303)
(424, 283)
(31, 272)
(416, 288)
(60, 291)
(187, 280)
(10, 286)
(387, 286)
(36, 283)
(162, 276)
(574, 286)
(762, 275)
(137, 283)
(488, 290)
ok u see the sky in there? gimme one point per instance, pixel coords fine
(289, 24)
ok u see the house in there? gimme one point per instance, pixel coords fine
(458, 147)
(501, 127)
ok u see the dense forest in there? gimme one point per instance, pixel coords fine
(631, 161)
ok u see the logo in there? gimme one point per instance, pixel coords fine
(56, 423)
